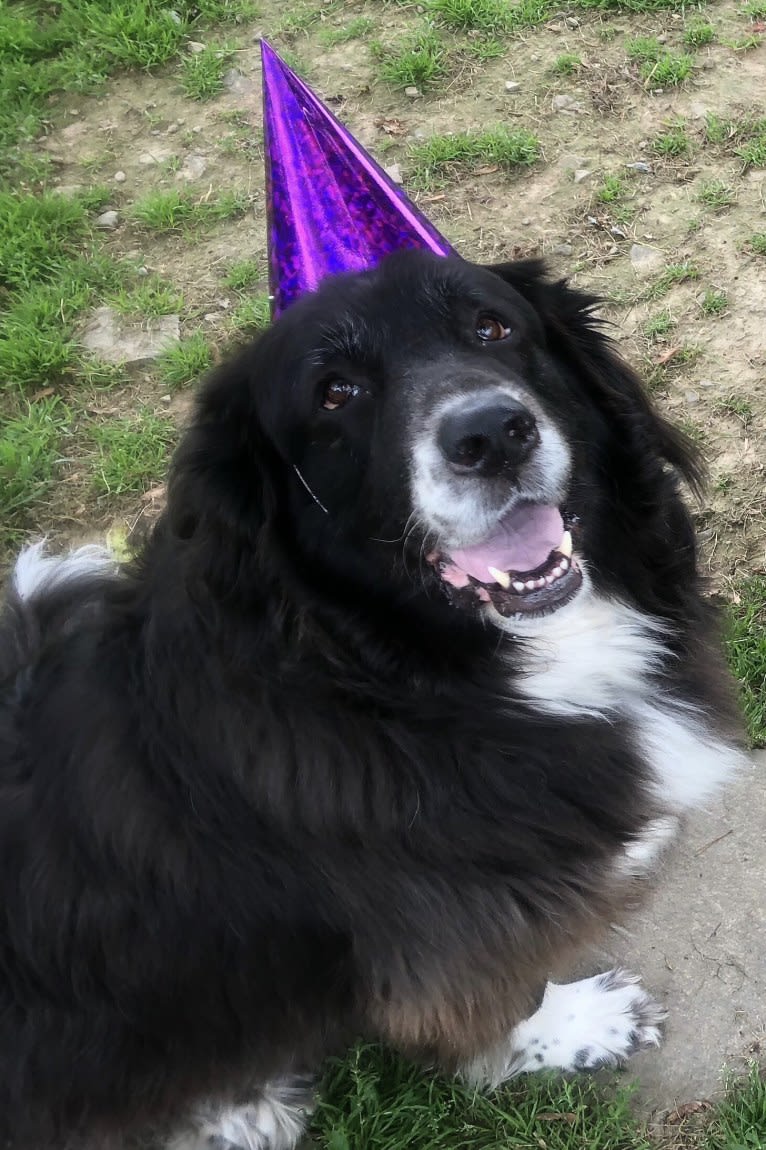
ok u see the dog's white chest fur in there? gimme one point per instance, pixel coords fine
(600, 657)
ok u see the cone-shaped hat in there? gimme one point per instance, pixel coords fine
(331, 208)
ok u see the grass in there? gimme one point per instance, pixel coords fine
(611, 191)
(29, 451)
(735, 405)
(659, 325)
(568, 64)
(658, 67)
(418, 60)
(252, 314)
(373, 1100)
(488, 16)
(244, 274)
(715, 194)
(673, 275)
(672, 143)
(131, 452)
(746, 651)
(184, 362)
(714, 302)
(699, 35)
(175, 210)
(758, 243)
(356, 29)
(441, 156)
(202, 72)
(151, 296)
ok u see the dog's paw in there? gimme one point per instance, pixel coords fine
(587, 1025)
(275, 1120)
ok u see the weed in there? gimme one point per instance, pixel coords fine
(674, 142)
(714, 303)
(758, 243)
(718, 130)
(746, 652)
(753, 153)
(567, 64)
(202, 72)
(175, 210)
(39, 236)
(489, 16)
(356, 29)
(668, 72)
(486, 48)
(244, 274)
(29, 451)
(745, 43)
(644, 49)
(735, 405)
(673, 275)
(659, 325)
(252, 314)
(184, 362)
(715, 194)
(724, 483)
(419, 61)
(612, 190)
(151, 296)
(755, 10)
(698, 35)
(131, 451)
(500, 146)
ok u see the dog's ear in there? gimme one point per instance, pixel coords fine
(575, 334)
(221, 489)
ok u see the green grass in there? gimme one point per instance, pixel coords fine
(659, 325)
(753, 153)
(175, 210)
(715, 194)
(659, 67)
(735, 405)
(374, 1100)
(252, 314)
(131, 452)
(674, 142)
(714, 303)
(699, 35)
(611, 191)
(244, 274)
(488, 16)
(758, 243)
(568, 64)
(151, 296)
(674, 274)
(356, 29)
(184, 362)
(30, 443)
(202, 72)
(746, 651)
(419, 60)
(441, 156)
(739, 1122)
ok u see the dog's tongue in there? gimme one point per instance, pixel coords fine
(524, 540)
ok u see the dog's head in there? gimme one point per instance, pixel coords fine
(433, 427)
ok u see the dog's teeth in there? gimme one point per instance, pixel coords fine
(557, 572)
(565, 546)
(501, 577)
(531, 584)
(564, 565)
(518, 586)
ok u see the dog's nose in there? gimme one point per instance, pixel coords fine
(488, 438)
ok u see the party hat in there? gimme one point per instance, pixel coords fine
(331, 207)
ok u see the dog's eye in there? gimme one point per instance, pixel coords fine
(489, 329)
(337, 393)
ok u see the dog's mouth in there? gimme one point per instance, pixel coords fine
(526, 566)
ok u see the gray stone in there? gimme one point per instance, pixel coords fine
(640, 166)
(119, 177)
(512, 85)
(568, 104)
(581, 174)
(108, 219)
(563, 250)
(645, 260)
(237, 83)
(115, 340)
(156, 156)
(193, 167)
(195, 47)
(395, 173)
(412, 92)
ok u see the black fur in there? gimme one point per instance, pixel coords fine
(268, 790)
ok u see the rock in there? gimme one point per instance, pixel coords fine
(166, 399)
(142, 271)
(119, 177)
(512, 85)
(195, 47)
(640, 166)
(193, 167)
(645, 260)
(115, 340)
(412, 92)
(108, 219)
(581, 174)
(572, 22)
(238, 84)
(568, 104)
(395, 172)
(692, 397)
(563, 250)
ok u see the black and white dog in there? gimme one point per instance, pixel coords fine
(409, 687)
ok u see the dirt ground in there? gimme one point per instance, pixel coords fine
(708, 370)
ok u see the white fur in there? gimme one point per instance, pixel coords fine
(274, 1121)
(600, 657)
(583, 1025)
(36, 572)
(455, 506)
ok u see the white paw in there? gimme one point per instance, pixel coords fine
(275, 1121)
(586, 1025)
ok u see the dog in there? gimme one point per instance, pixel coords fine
(400, 703)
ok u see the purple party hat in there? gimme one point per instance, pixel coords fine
(331, 207)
